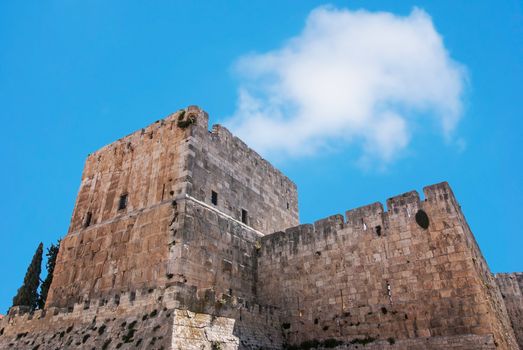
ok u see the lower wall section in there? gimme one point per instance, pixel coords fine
(153, 319)
(147, 327)
(468, 341)
(461, 342)
(161, 319)
(141, 328)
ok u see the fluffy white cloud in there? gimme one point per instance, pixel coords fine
(350, 77)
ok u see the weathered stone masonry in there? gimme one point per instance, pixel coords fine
(511, 286)
(112, 250)
(379, 274)
(184, 238)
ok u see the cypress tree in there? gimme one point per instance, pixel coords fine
(51, 254)
(27, 294)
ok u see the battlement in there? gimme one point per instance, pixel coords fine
(371, 218)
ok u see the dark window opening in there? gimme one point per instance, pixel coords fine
(378, 230)
(245, 217)
(422, 219)
(88, 218)
(214, 198)
(287, 205)
(123, 202)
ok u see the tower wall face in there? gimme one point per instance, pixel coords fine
(110, 249)
(147, 165)
(379, 275)
(117, 256)
(213, 252)
(241, 179)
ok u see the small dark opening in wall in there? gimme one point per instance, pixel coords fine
(245, 216)
(422, 219)
(122, 204)
(88, 218)
(287, 205)
(214, 198)
(378, 230)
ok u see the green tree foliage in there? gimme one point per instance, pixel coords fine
(51, 254)
(27, 294)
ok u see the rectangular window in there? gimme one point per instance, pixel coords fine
(88, 218)
(123, 202)
(214, 198)
(245, 217)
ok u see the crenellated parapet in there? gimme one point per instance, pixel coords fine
(373, 219)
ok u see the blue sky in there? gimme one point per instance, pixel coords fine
(75, 76)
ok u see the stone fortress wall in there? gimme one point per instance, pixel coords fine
(378, 274)
(172, 233)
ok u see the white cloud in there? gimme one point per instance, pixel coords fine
(350, 77)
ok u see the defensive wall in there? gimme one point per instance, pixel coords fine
(413, 271)
(184, 238)
(148, 319)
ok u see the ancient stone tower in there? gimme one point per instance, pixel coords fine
(184, 238)
(155, 208)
